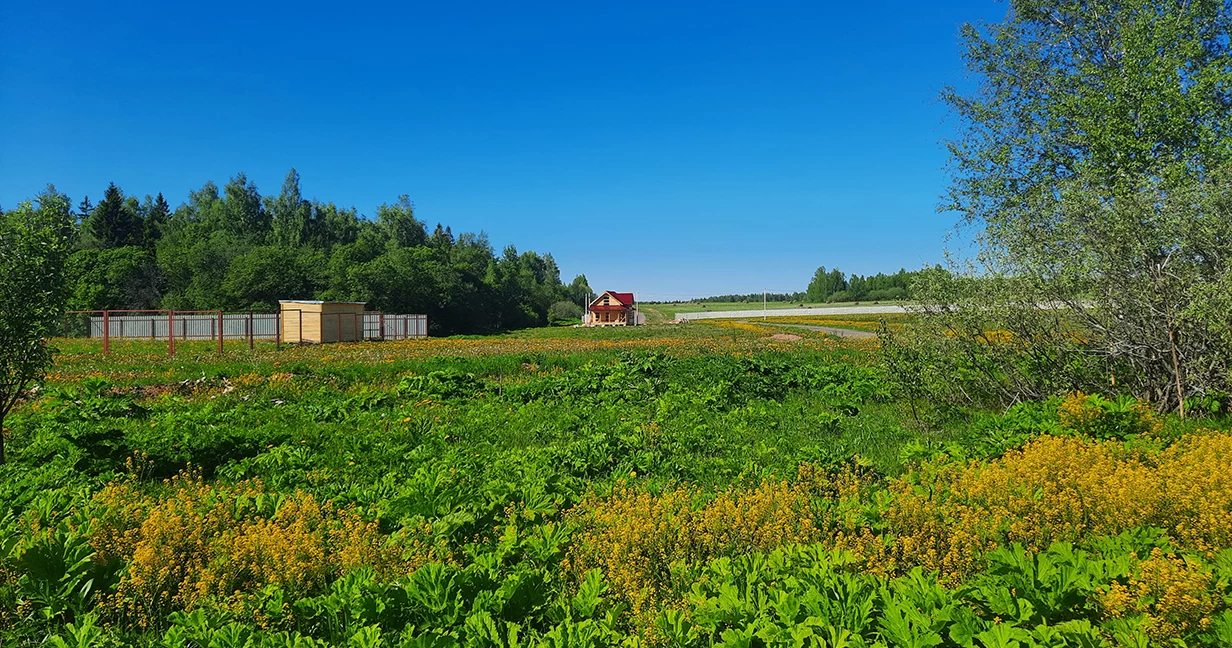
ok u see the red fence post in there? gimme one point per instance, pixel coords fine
(250, 347)
(106, 332)
(170, 334)
(219, 332)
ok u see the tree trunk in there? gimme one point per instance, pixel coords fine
(1, 438)
(1176, 367)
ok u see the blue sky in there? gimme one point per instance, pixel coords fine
(672, 149)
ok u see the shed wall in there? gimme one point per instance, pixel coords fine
(322, 322)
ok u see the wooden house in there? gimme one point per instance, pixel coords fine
(318, 322)
(611, 309)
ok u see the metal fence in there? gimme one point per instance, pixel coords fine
(173, 326)
(396, 327)
(188, 325)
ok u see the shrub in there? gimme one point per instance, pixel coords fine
(640, 538)
(564, 311)
(1101, 418)
(446, 384)
(1062, 489)
(193, 543)
(1170, 593)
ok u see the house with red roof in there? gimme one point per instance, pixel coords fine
(611, 309)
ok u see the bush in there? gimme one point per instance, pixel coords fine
(638, 539)
(1063, 489)
(1101, 418)
(198, 542)
(888, 294)
(840, 296)
(564, 311)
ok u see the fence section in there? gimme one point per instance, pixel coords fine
(396, 327)
(187, 325)
(288, 325)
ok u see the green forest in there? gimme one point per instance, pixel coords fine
(835, 286)
(232, 248)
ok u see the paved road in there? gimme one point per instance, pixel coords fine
(828, 330)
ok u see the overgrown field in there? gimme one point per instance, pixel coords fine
(871, 323)
(680, 486)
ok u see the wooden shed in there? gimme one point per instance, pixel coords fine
(318, 322)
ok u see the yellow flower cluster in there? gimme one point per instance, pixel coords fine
(1169, 592)
(747, 326)
(1196, 489)
(1063, 489)
(195, 542)
(9, 578)
(871, 323)
(1082, 413)
(637, 537)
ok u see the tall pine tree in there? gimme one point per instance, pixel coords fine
(84, 209)
(112, 223)
(156, 218)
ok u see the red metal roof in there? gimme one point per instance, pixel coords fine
(626, 299)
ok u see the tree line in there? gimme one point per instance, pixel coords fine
(835, 286)
(233, 249)
(750, 297)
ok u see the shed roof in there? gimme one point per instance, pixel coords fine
(315, 301)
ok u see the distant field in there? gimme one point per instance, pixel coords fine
(669, 311)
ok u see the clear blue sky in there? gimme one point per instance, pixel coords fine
(672, 149)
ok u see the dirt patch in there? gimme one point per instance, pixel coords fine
(182, 388)
(145, 392)
(784, 337)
